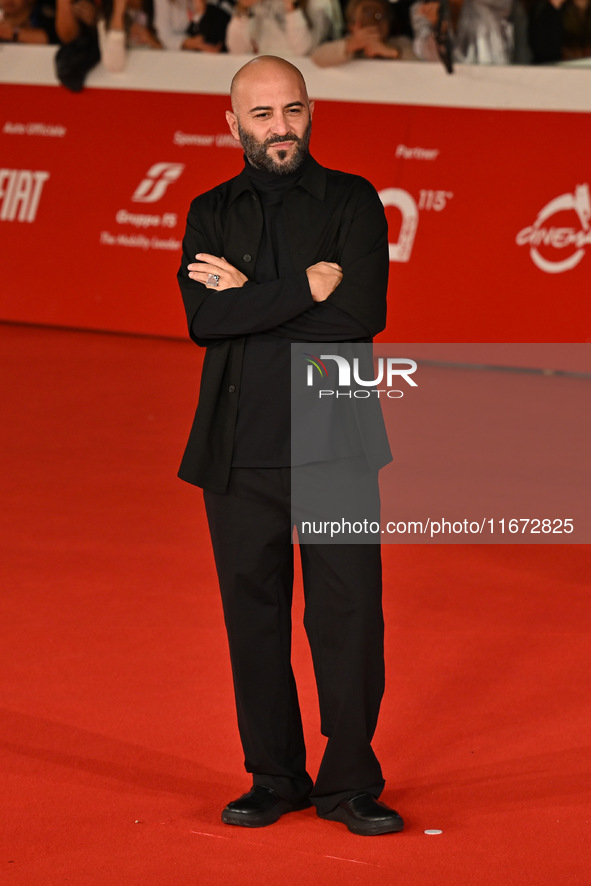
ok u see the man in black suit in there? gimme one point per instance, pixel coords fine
(286, 251)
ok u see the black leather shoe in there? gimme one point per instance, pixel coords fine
(365, 815)
(259, 807)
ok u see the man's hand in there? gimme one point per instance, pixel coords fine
(360, 37)
(198, 44)
(207, 265)
(323, 278)
(368, 41)
(378, 49)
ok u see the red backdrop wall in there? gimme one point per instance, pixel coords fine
(489, 210)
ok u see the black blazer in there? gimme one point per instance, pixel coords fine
(330, 216)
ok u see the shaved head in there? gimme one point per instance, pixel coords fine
(259, 70)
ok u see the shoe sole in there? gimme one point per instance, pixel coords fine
(364, 829)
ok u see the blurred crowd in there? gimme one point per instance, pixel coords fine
(331, 32)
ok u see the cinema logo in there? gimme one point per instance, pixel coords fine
(555, 239)
(348, 373)
(20, 193)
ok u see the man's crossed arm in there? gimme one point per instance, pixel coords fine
(323, 277)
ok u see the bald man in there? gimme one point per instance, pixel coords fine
(287, 251)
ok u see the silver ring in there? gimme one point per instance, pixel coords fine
(213, 279)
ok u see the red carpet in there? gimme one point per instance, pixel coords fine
(118, 744)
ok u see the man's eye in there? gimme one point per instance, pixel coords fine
(262, 115)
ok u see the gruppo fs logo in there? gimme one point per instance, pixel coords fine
(158, 177)
(557, 239)
(389, 370)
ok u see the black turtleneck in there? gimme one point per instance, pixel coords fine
(262, 437)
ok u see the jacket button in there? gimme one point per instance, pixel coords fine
(247, 257)
(232, 388)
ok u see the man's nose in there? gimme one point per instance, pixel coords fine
(281, 125)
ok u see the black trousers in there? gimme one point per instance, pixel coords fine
(251, 532)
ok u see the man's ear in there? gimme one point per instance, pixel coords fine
(311, 107)
(233, 124)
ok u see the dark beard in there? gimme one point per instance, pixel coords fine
(256, 151)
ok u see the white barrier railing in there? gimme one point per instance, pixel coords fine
(562, 88)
